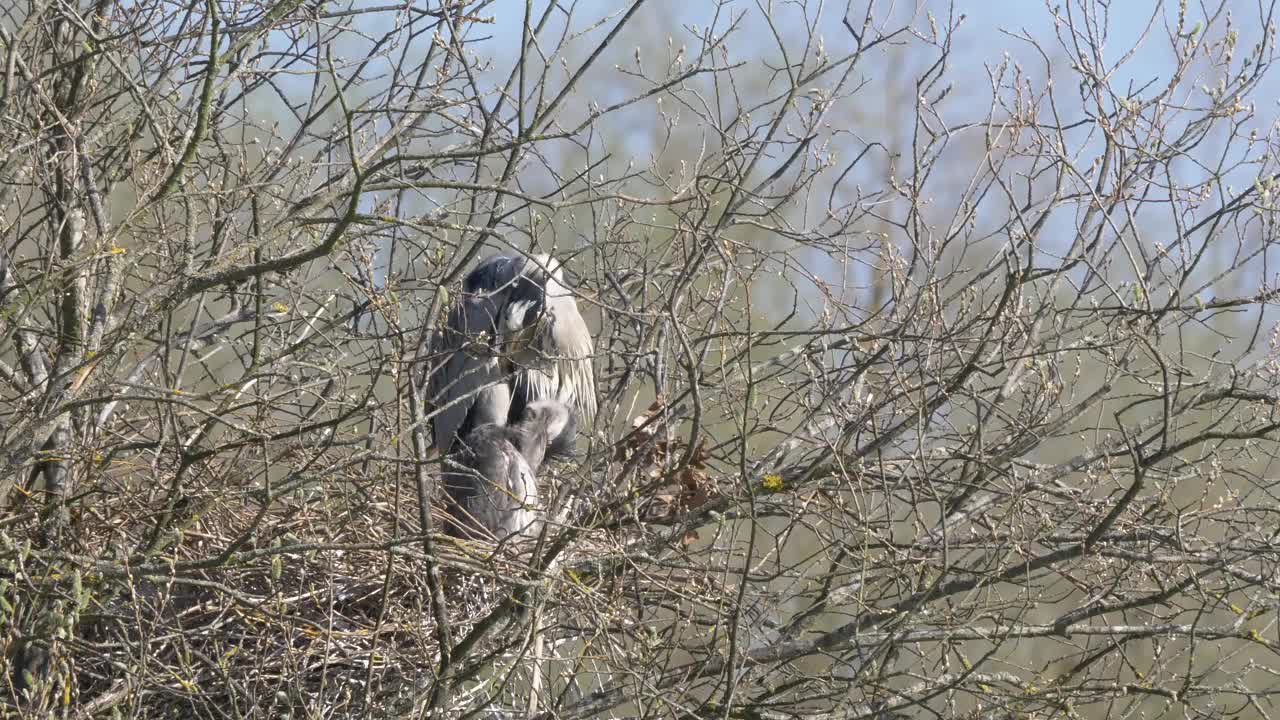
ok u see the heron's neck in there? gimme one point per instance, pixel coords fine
(492, 405)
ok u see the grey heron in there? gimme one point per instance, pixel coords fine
(517, 325)
(491, 476)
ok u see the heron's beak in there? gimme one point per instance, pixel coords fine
(480, 344)
(521, 340)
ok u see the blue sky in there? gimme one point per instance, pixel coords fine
(988, 32)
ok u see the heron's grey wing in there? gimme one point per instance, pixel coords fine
(463, 372)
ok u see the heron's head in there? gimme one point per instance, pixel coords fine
(523, 310)
(493, 272)
(557, 422)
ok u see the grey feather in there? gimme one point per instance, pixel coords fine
(554, 362)
(518, 324)
(491, 478)
(493, 491)
(469, 367)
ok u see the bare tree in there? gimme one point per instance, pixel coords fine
(960, 404)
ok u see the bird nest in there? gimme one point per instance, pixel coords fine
(323, 601)
(327, 604)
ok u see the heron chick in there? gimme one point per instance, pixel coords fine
(491, 476)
